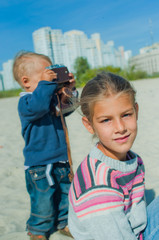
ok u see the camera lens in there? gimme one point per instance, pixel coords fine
(67, 92)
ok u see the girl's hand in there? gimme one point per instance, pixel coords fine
(48, 75)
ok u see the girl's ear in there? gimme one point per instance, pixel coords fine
(87, 125)
(137, 110)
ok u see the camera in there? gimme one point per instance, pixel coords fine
(68, 95)
(62, 73)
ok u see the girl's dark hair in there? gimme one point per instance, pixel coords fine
(103, 85)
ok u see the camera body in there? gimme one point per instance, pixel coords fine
(62, 73)
(68, 95)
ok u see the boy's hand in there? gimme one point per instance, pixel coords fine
(72, 80)
(48, 75)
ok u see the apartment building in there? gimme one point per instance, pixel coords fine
(147, 60)
(7, 81)
(65, 48)
(42, 42)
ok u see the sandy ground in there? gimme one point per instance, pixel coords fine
(14, 200)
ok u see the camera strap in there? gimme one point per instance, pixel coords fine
(70, 175)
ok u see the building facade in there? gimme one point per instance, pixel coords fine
(1, 82)
(7, 80)
(42, 42)
(147, 60)
(65, 48)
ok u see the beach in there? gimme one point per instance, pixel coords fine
(14, 199)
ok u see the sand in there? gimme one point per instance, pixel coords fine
(14, 200)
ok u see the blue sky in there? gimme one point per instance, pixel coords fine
(126, 22)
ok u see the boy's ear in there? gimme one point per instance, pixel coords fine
(137, 110)
(87, 125)
(25, 81)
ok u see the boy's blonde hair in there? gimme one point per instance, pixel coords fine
(24, 64)
(103, 85)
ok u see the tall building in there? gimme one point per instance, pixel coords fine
(92, 53)
(65, 48)
(76, 42)
(57, 40)
(128, 55)
(109, 54)
(42, 42)
(1, 82)
(99, 46)
(147, 60)
(7, 76)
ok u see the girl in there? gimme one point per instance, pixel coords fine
(107, 193)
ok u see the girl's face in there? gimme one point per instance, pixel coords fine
(115, 124)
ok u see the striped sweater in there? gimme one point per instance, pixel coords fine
(106, 198)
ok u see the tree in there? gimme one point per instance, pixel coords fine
(81, 66)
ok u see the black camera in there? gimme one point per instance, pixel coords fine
(68, 95)
(62, 74)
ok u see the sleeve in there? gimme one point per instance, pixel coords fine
(34, 106)
(100, 212)
(109, 225)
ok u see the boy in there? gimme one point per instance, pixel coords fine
(45, 151)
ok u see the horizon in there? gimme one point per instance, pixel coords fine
(132, 25)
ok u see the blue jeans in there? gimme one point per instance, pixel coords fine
(49, 204)
(152, 229)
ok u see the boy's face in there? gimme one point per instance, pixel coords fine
(30, 82)
(115, 124)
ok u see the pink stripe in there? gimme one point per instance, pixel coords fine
(71, 194)
(96, 160)
(141, 237)
(99, 173)
(140, 160)
(134, 196)
(97, 210)
(131, 184)
(97, 192)
(85, 173)
(129, 206)
(138, 188)
(117, 174)
(138, 195)
(113, 176)
(138, 179)
(97, 201)
(93, 165)
(142, 188)
(77, 185)
(104, 176)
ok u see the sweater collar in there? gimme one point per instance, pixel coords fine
(123, 166)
